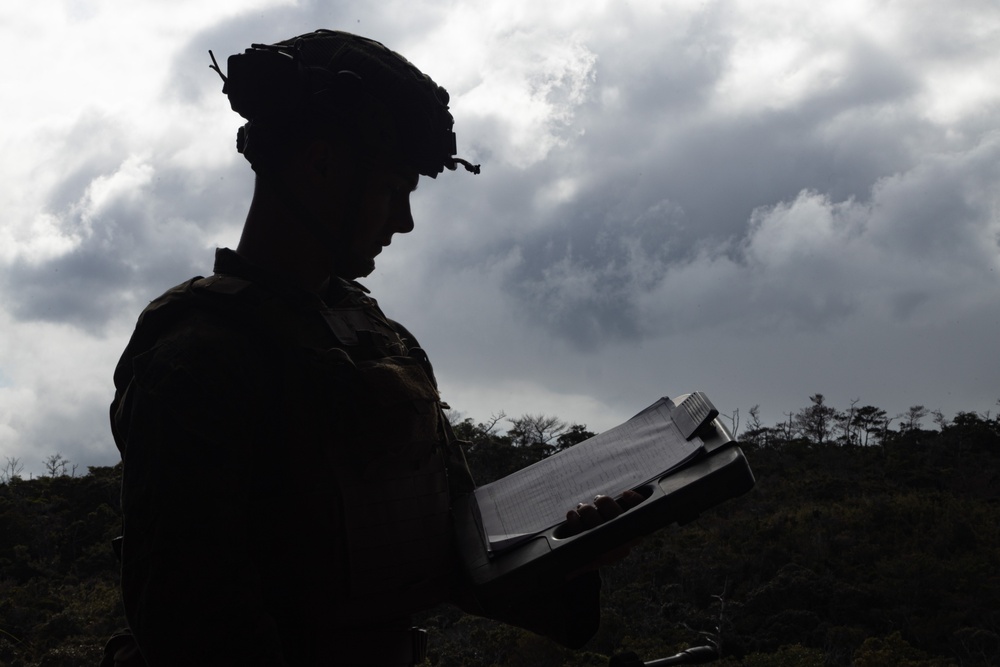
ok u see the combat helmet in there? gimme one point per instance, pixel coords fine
(386, 105)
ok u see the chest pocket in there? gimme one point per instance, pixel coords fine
(398, 415)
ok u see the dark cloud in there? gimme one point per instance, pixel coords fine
(139, 229)
(678, 183)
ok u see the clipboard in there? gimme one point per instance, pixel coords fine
(716, 471)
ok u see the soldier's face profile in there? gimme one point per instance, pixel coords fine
(384, 212)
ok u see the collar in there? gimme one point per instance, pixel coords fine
(229, 262)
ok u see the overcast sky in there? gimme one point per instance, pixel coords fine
(761, 199)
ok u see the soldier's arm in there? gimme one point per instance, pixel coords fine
(189, 583)
(567, 611)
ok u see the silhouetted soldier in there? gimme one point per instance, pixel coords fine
(288, 468)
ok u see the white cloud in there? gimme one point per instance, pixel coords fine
(926, 243)
(785, 54)
(35, 240)
(517, 73)
(529, 92)
(57, 394)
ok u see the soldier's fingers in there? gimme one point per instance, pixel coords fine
(608, 507)
(573, 523)
(630, 499)
(589, 516)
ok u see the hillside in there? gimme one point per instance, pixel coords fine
(876, 554)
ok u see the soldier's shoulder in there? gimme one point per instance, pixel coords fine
(197, 317)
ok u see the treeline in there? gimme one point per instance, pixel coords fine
(821, 423)
(867, 541)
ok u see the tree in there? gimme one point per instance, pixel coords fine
(531, 438)
(756, 434)
(11, 469)
(489, 454)
(940, 420)
(734, 419)
(785, 431)
(870, 423)
(574, 435)
(970, 430)
(533, 430)
(816, 422)
(847, 425)
(56, 465)
(911, 418)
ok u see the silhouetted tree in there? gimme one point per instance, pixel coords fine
(532, 430)
(574, 435)
(848, 429)
(11, 470)
(911, 418)
(56, 465)
(817, 421)
(489, 454)
(871, 423)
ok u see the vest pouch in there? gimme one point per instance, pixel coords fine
(398, 406)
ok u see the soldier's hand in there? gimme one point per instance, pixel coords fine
(604, 508)
(590, 515)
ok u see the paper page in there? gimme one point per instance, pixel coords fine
(625, 457)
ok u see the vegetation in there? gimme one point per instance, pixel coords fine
(868, 541)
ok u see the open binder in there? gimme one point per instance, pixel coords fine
(675, 453)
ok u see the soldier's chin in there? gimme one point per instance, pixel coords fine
(354, 266)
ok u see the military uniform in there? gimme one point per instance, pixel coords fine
(288, 476)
